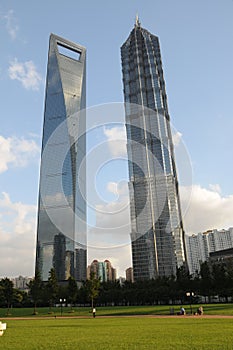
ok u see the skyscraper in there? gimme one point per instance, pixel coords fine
(157, 235)
(61, 231)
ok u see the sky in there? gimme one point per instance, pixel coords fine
(197, 54)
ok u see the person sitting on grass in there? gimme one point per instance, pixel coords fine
(182, 311)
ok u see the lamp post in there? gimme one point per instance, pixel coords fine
(190, 294)
(61, 301)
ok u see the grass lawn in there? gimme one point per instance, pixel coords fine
(209, 309)
(118, 333)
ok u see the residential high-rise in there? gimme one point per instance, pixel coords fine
(111, 272)
(102, 270)
(129, 274)
(157, 233)
(21, 282)
(200, 246)
(61, 231)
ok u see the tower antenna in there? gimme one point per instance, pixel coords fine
(137, 23)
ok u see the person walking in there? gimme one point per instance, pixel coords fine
(93, 312)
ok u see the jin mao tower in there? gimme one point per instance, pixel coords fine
(157, 234)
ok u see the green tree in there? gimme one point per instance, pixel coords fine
(92, 285)
(7, 292)
(220, 279)
(1, 295)
(183, 282)
(72, 290)
(18, 296)
(52, 288)
(35, 289)
(206, 284)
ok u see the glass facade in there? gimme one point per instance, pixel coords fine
(61, 231)
(157, 233)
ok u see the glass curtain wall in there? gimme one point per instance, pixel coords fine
(61, 231)
(157, 233)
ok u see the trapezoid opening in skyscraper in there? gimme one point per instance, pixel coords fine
(157, 234)
(61, 230)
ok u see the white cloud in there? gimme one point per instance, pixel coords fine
(110, 238)
(176, 138)
(202, 209)
(116, 137)
(215, 188)
(26, 73)
(34, 135)
(16, 152)
(112, 188)
(112, 229)
(17, 236)
(206, 209)
(119, 189)
(11, 26)
(115, 214)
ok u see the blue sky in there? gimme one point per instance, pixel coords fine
(197, 52)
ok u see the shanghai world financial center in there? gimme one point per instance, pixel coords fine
(157, 235)
(61, 231)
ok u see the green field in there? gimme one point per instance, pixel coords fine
(51, 331)
(118, 333)
(209, 309)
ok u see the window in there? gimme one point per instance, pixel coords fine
(69, 52)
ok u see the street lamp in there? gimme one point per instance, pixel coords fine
(61, 302)
(190, 294)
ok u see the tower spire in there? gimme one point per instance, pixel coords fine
(137, 23)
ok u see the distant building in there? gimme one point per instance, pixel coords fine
(93, 268)
(197, 251)
(102, 269)
(21, 282)
(129, 274)
(200, 246)
(111, 272)
(221, 256)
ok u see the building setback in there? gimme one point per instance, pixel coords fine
(61, 231)
(157, 234)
